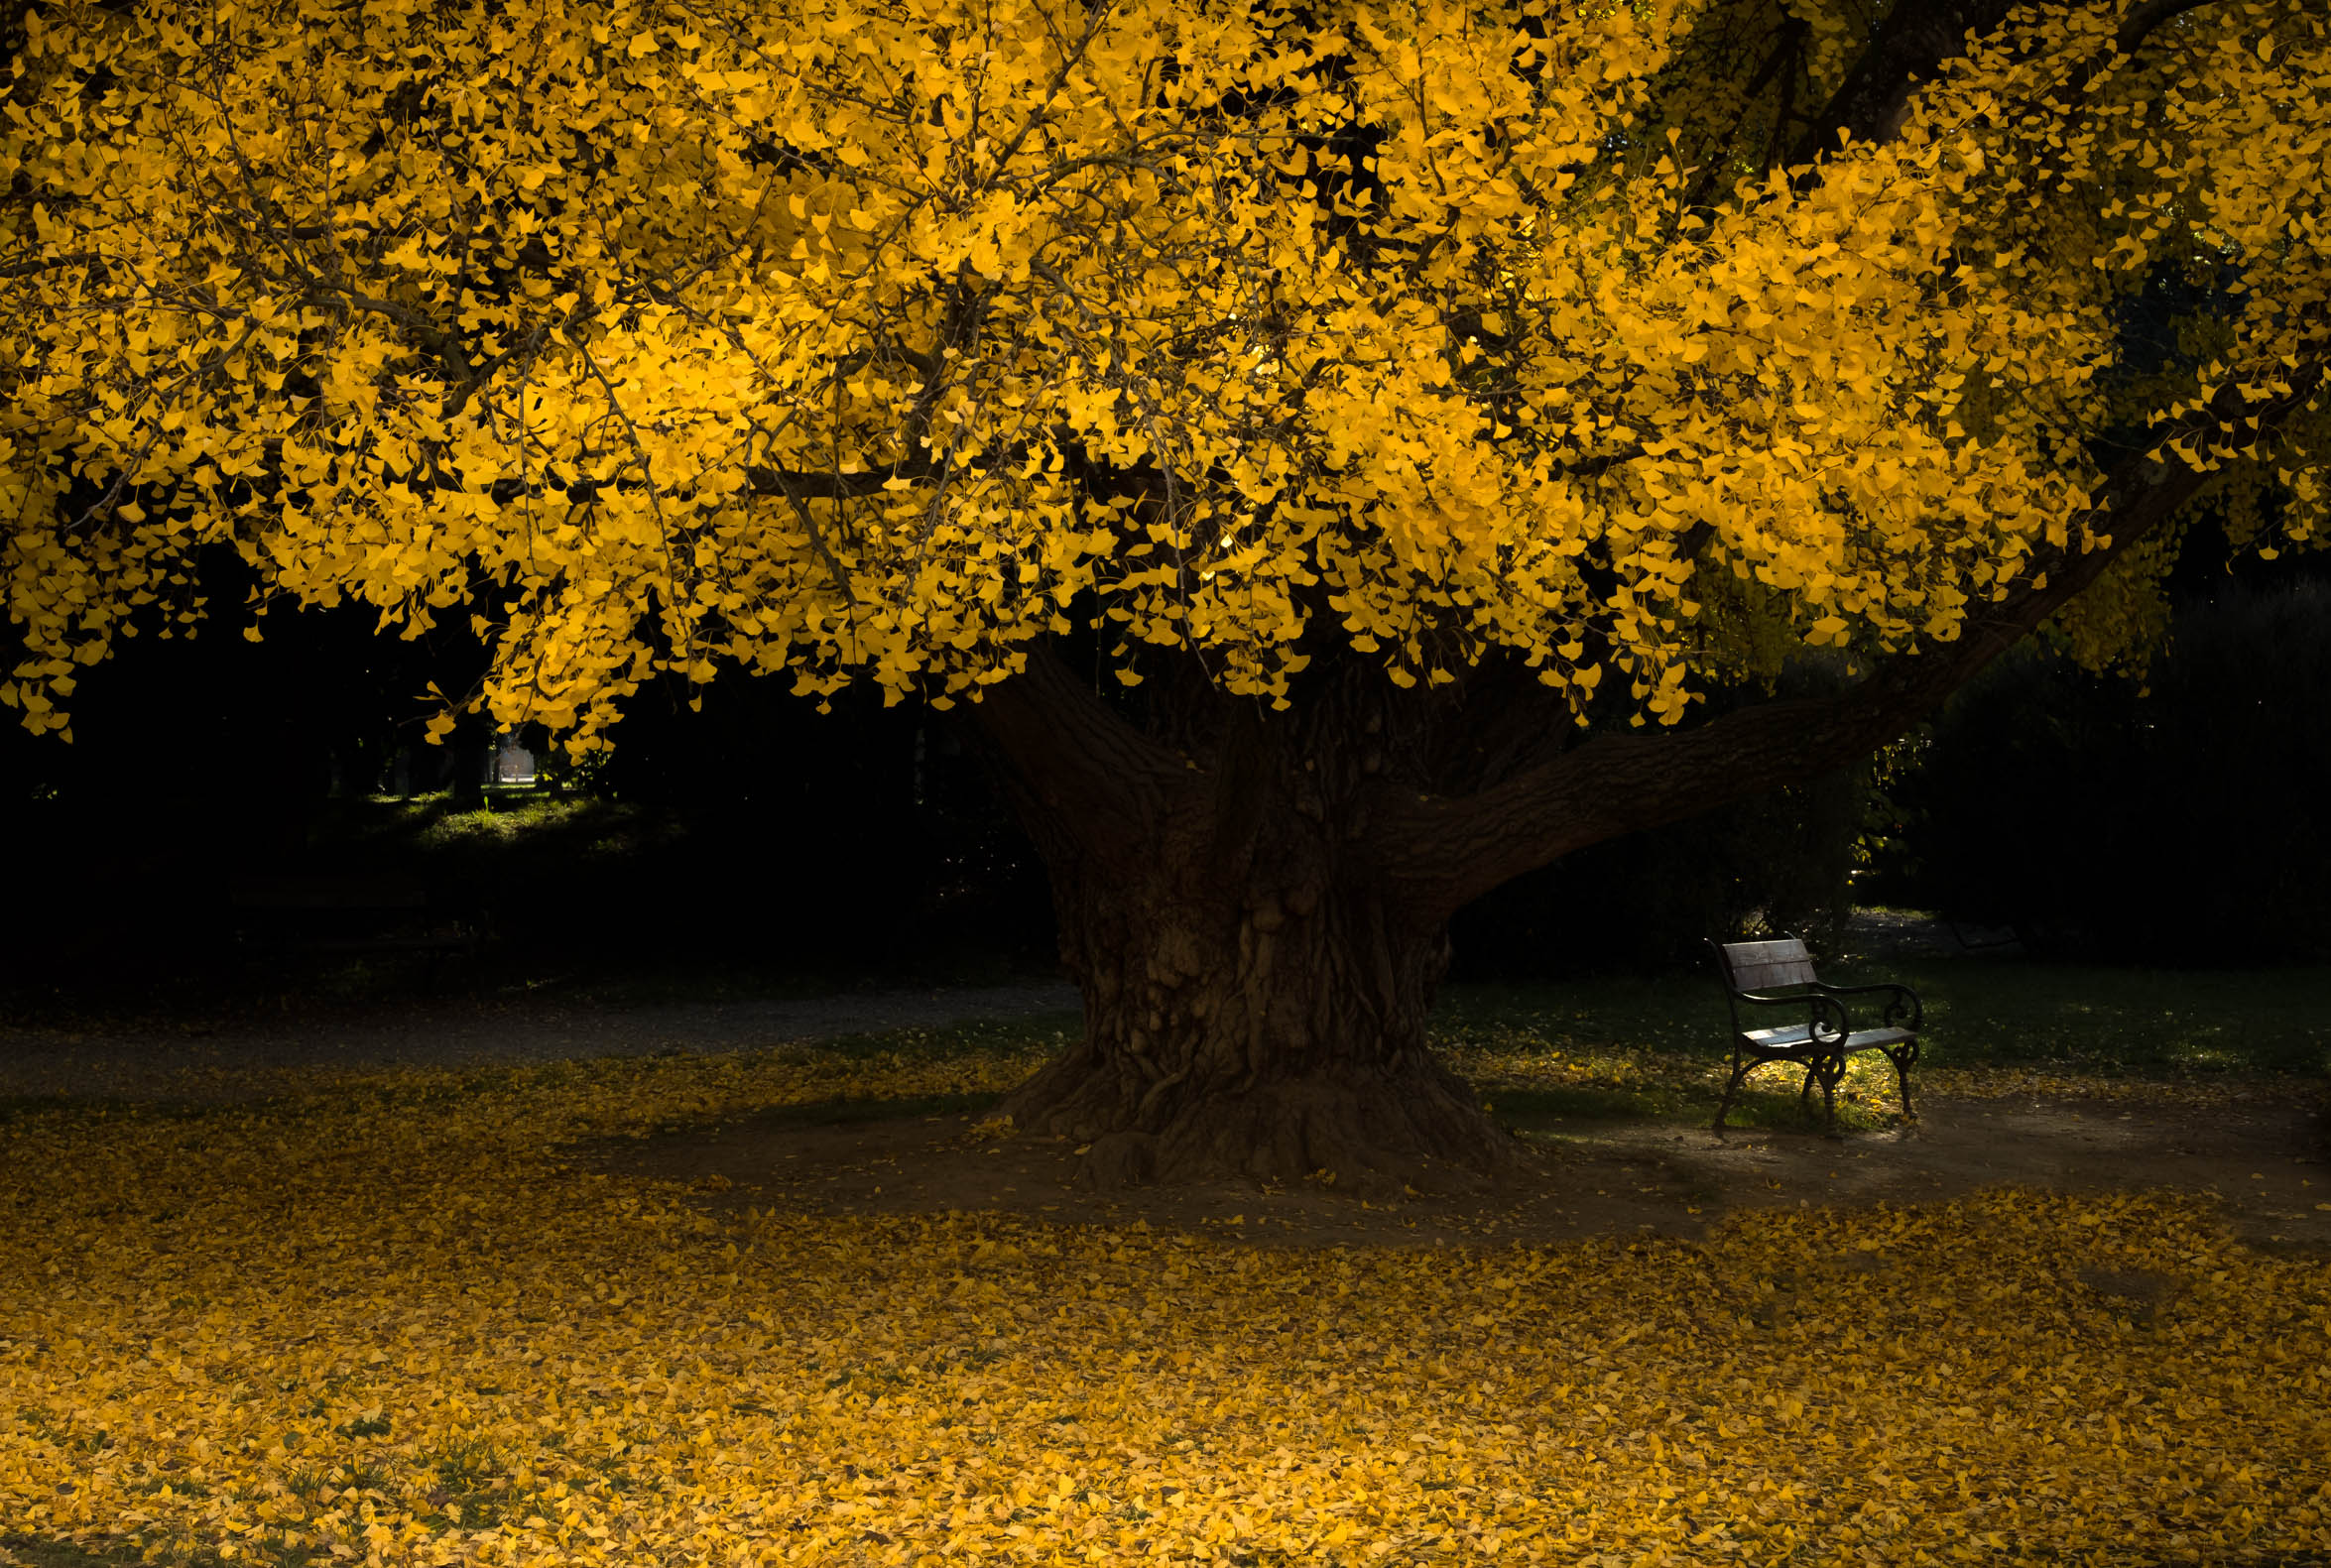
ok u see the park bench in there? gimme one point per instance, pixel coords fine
(1780, 975)
(345, 915)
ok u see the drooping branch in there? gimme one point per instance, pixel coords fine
(801, 484)
(41, 264)
(1450, 851)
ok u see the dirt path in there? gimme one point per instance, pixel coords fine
(2265, 1158)
(217, 1061)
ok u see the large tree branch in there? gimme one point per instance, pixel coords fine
(2140, 23)
(1922, 37)
(1078, 772)
(1916, 40)
(1450, 851)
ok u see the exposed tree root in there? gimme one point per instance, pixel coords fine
(1372, 1132)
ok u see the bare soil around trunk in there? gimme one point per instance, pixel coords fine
(2263, 1154)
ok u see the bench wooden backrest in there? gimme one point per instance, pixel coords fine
(1760, 966)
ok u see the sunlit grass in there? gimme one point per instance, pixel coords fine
(1656, 1046)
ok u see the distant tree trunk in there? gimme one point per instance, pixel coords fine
(472, 749)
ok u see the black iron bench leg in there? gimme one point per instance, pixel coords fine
(1831, 1071)
(1739, 1070)
(1901, 1076)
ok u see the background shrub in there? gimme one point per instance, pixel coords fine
(2188, 823)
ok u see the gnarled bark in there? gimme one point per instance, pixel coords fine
(1265, 1020)
(1254, 991)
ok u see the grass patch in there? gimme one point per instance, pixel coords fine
(1656, 1048)
(1534, 1109)
(1043, 1033)
(593, 827)
(30, 1551)
(36, 1553)
(2146, 1022)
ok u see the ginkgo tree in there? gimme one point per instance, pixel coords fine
(1327, 450)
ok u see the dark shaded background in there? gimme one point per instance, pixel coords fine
(759, 846)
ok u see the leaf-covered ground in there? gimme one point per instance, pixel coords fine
(392, 1320)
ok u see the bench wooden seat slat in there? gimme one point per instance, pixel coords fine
(1780, 974)
(1859, 1040)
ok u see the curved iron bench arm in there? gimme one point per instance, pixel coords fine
(1825, 1022)
(1901, 1008)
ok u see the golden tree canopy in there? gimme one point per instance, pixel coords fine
(874, 341)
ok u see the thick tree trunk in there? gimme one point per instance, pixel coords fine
(1265, 1022)
(1255, 988)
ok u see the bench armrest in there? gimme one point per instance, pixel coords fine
(1827, 1024)
(1902, 1005)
